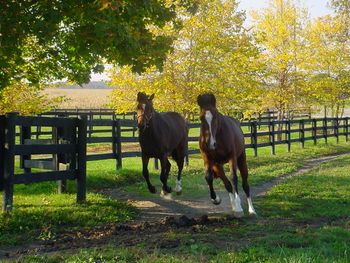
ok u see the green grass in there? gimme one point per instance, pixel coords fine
(38, 207)
(41, 216)
(39, 211)
(261, 169)
(304, 219)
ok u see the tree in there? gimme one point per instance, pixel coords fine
(341, 7)
(280, 31)
(44, 40)
(330, 49)
(26, 99)
(213, 52)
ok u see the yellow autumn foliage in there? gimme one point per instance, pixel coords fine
(25, 99)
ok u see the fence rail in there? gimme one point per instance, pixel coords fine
(66, 146)
(121, 135)
(101, 113)
(59, 148)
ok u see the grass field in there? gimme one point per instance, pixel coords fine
(40, 214)
(304, 219)
(81, 97)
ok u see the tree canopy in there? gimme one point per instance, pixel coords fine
(213, 52)
(45, 40)
(286, 61)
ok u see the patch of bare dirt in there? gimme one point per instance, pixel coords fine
(154, 207)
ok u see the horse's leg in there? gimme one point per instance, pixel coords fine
(209, 177)
(165, 168)
(145, 173)
(242, 166)
(179, 157)
(234, 197)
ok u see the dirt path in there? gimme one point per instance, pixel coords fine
(157, 216)
(155, 207)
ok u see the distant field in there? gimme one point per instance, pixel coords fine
(81, 97)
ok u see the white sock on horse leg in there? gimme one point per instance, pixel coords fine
(235, 202)
(250, 206)
(178, 187)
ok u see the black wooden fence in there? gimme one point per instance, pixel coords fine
(107, 113)
(124, 141)
(65, 140)
(67, 148)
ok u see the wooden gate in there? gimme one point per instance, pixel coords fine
(58, 157)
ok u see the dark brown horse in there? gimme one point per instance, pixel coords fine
(161, 135)
(222, 141)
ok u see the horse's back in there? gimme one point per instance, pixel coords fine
(175, 121)
(175, 128)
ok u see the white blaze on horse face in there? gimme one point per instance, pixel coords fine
(209, 118)
(144, 106)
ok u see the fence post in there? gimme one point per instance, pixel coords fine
(155, 164)
(134, 129)
(9, 160)
(25, 133)
(60, 135)
(254, 137)
(187, 161)
(288, 136)
(81, 173)
(91, 117)
(314, 131)
(114, 141)
(325, 130)
(335, 128)
(38, 131)
(272, 136)
(346, 129)
(73, 139)
(186, 148)
(302, 133)
(118, 134)
(2, 151)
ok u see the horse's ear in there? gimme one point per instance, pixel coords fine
(199, 100)
(151, 97)
(139, 96)
(213, 99)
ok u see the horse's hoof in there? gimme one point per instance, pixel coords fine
(179, 192)
(168, 189)
(238, 214)
(165, 195)
(216, 201)
(253, 214)
(152, 189)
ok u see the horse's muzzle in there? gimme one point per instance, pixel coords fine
(211, 146)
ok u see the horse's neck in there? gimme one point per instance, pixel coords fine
(221, 119)
(150, 130)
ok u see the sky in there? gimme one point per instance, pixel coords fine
(316, 8)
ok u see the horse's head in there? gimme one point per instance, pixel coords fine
(209, 119)
(145, 110)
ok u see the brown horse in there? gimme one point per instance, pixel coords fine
(161, 135)
(222, 141)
